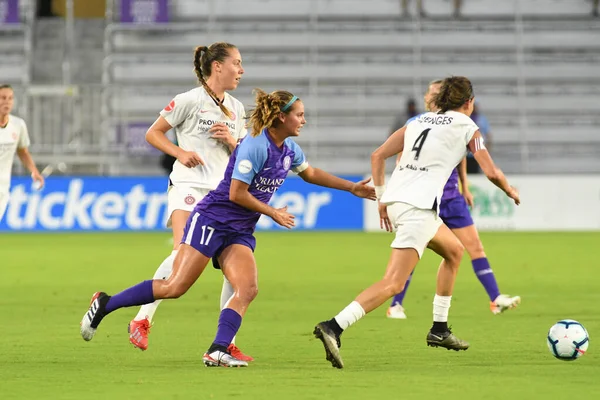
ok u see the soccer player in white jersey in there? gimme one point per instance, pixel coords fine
(208, 123)
(434, 144)
(454, 212)
(13, 139)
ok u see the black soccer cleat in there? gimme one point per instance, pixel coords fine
(446, 340)
(331, 342)
(94, 315)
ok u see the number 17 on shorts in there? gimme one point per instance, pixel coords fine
(201, 235)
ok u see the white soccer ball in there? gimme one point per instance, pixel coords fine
(568, 340)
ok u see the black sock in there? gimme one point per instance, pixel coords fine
(335, 327)
(440, 327)
(215, 347)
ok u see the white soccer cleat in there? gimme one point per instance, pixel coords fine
(219, 358)
(396, 312)
(91, 319)
(504, 302)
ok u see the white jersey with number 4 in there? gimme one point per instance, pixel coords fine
(192, 114)
(12, 137)
(433, 145)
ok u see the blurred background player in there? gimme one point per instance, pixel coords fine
(208, 124)
(435, 143)
(13, 139)
(454, 211)
(222, 224)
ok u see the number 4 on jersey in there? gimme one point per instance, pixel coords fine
(420, 142)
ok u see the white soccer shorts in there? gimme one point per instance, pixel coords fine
(415, 227)
(183, 198)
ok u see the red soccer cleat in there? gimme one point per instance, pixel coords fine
(138, 333)
(237, 353)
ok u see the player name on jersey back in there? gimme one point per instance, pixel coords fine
(433, 145)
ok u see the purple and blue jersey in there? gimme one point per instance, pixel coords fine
(258, 162)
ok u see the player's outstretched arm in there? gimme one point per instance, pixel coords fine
(28, 163)
(493, 173)
(157, 137)
(319, 177)
(393, 145)
(239, 194)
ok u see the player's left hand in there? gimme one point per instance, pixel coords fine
(384, 218)
(220, 132)
(37, 177)
(360, 189)
(468, 198)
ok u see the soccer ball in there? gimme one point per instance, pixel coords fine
(568, 340)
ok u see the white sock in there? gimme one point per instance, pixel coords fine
(163, 272)
(441, 306)
(349, 315)
(226, 295)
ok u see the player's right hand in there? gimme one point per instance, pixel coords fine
(190, 159)
(283, 218)
(514, 194)
(384, 218)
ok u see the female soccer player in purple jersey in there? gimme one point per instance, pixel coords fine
(222, 224)
(454, 211)
(435, 143)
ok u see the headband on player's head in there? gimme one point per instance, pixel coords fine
(289, 103)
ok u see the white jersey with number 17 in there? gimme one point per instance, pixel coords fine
(192, 114)
(433, 145)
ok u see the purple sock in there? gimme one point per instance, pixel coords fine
(399, 298)
(134, 296)
(484, 273)
(229, 323)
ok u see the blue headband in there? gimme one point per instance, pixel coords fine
(289, 103)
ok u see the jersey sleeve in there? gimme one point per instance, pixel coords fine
(178, 109)
(24, 141)
(470, 129)
(299, 162)
(412, 119)
(250, 159)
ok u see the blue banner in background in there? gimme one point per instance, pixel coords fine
(137, 204)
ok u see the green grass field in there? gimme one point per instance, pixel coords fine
(47, 281)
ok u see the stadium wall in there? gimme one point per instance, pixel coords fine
(553, 202)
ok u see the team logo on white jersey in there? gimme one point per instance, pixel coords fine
(170, 107)
(287, 161)
(14, 136)
(189, 199)
(233, 116)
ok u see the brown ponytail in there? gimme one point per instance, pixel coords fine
(455, 91)
(268, 107)
(203, 59)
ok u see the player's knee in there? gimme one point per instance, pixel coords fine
(394, 287)
(248, 293)
(176, 290)
(455, 254)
